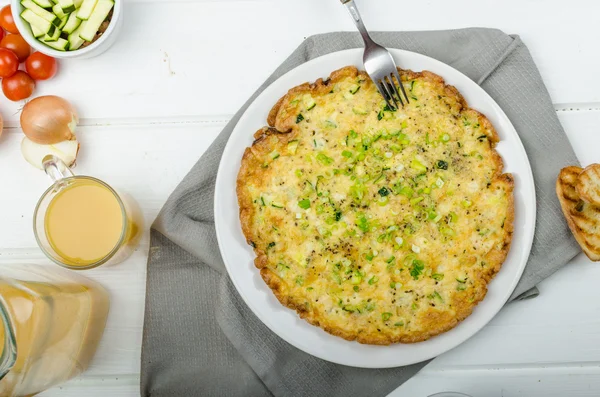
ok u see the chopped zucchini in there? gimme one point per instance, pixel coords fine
(63, 22)
(44, 3)
(37, 33)
(47, 15)
(58, 11)
(40, 23)
(60, 44)
(100, 13)
(72, 23)
(74, 40)
(54, 37)
(66, 5)
(87, 7)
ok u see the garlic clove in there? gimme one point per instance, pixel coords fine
(34, 153)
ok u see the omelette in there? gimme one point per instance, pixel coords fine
(378, 225)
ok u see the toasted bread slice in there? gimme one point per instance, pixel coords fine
(588, 185)
(583, 218)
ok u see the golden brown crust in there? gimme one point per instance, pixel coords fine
(588, 184)
(284, 129)
(583, 218)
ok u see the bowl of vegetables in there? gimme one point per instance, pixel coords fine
(68, 28)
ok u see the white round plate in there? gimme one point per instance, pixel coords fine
(239, 257)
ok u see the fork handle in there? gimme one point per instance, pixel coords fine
(358, 21)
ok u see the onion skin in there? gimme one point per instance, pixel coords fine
(48, 120)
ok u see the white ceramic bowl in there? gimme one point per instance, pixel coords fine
(97, 48)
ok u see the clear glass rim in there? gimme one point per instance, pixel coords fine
(9, 352)
(117, 245)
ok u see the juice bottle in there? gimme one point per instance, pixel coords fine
(51, 322)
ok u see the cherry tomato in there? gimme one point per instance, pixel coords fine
(7, 21)
(17, 44)
(2, 33)
(18, 86)
(9, 63)
(41, 66)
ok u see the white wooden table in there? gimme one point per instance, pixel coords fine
(154, 102)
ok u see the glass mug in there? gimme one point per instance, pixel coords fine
(51, 322)
(81, 222)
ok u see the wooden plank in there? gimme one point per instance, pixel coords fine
(221, 51)
(572, 381)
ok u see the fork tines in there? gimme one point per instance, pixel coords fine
(390, 93)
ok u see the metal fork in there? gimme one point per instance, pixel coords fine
(379, 63)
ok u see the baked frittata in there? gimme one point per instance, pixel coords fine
(376, 225)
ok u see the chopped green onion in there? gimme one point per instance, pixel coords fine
(373, 280)
(347, 154)
(442, 165)
(336, 277)
(309, 102)
(330, 124)
(383, 201)
(274, 154)
(360, 112)
(453, 217)
(418, 166)
(354, 89)
(390, 259)
(386, 316)
(461, 279)
(445, 138)
(406, 191)
(356, 278)
(276, 204)
(466, 203)
(369, 256)
(416, 200)
(399, 324)
(448, 231)
(461, 287)
(437, 276)
(323, 159)
(417, 268)
(355, 288)
(383, 191)
(362, 223)
(292, 146)
(299, 118)
(304, 204)
(300, 280)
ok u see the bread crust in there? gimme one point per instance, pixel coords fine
(583, 218)
(283, 126)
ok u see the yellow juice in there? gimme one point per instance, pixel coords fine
(84, 222)
(57, 328)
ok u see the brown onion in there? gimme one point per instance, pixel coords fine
(48, 120)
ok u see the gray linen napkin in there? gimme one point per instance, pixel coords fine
(200, 338)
